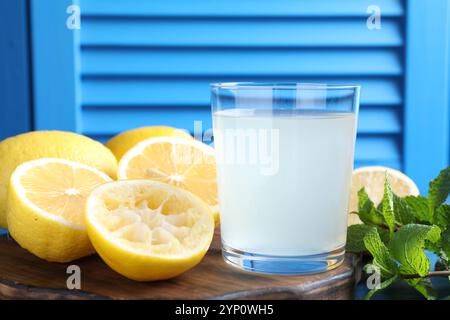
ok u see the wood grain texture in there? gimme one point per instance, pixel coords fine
(24, 276)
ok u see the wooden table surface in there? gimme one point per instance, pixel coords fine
(24, 276)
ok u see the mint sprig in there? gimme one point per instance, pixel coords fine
(397, 233)
(442, 215)
(419, 209)
(355, 237)
(407, 248)
(439, 190)
(387, 208)
(382, 258)
(424, 286)
(367, 211)
(383, 285)
(445, 244)
(402, 212)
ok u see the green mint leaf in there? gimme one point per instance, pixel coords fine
(442, 215)
(385, 235)
(407, 247)
(381, 255)
(380, 207)
(445, 243)
(388, 205)
(433, 247)
(402, 212)
(383, 285)
(419, 208)
(424, 286)
(367, 211)
(355, 237)
(439, 189)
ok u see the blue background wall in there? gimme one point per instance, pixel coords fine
(138, 62)
(15, 69)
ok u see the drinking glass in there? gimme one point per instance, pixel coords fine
(284, 164)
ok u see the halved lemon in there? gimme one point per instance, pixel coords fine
(148, 230)
(187, 164)
(50, 144)
(372, 179)
(124, 141)
(45, 207)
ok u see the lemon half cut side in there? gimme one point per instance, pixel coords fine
(50, 144)
(148, 230)
(187, 164)
(124, 141)
(45, 207)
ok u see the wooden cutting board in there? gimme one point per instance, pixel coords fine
(24, 276)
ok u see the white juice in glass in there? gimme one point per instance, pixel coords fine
(288, 193)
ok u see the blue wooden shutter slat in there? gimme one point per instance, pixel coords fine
(150, 62)
(238, 62)
(55, 53)
(238, 8)
(103, 120)
(118, 91)
(238, 32)
(427, 132)
(15, 110)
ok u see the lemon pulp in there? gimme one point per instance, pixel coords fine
(187, 164)
(45, 208)
(148, 230)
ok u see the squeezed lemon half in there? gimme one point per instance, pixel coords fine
(148, 230)
(187, 164)
(45, 207)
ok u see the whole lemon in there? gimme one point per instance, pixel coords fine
(50, 144)
(124, 141)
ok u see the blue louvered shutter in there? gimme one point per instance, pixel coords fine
(150, 62)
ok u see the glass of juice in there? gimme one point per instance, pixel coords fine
(284, 164)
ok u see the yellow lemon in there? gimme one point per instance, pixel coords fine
(50, 144)
(124, 141)
(45, 208)
(188, 164)
(372, 179)
(148, 230)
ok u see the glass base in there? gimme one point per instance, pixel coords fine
(283, 265)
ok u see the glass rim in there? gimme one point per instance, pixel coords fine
(283, 86)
